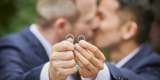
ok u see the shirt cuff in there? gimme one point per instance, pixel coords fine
(104, 74)
(86, 78)
(44, 73)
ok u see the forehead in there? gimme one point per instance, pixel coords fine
(86, 6)
(109, 5)
(84, 2)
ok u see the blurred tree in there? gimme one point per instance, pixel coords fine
(7, 11)
(16, 14)
(155, 31)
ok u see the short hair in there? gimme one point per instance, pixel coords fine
(50, 10)
(141, 13)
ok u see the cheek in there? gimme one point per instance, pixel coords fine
(108, 34)
(68, 30)
(83, 29)
(107, 39)
(79, 29)
(109, 23)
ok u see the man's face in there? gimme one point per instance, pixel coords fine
(87, 10)
(108, 32)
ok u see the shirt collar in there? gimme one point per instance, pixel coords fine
(121, 63)
(47, 46)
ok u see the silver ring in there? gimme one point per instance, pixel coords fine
(77, 66)
(81, 37)
(69, 36)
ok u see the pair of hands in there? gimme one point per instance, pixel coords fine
(66, 55)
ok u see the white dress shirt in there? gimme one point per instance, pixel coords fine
(102, 75)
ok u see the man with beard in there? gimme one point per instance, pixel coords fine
(123, 28)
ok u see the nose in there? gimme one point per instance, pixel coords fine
(95, 23)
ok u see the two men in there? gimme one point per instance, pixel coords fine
(120, 25)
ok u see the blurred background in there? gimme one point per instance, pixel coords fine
(18, 14)
(15, 15)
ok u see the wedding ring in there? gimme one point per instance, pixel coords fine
(81, 37)
(69, 36)
(77, 66)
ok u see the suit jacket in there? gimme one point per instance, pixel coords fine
(21, 57)
(143, 66)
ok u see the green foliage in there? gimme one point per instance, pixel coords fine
(16, 14)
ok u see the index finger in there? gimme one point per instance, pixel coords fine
(63, 46)
(93, 49)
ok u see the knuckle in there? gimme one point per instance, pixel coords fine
(86, 63)
(53, 58)
(74, 69)
(95, 49)
(55, 66)
(65, 73)
(101, 67)
(69, 55)
(103, 58)
(82, 66)
(67, 43)
(90, 57)
(73, 62)
(53, 63)
(61, 72)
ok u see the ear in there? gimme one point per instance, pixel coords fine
(62, 27)
(60, 23)
(129, 30)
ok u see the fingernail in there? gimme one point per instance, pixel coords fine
(76, 44)
(81, 41)
(70, 39)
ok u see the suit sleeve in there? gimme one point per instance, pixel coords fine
(148, 73)
(13, 66)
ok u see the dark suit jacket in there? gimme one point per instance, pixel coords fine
(144, 66)
(22, 57)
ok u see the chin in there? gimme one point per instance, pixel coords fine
(102, 45)
(99, 44)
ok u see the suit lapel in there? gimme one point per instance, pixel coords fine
(145, 51)
(36, 46)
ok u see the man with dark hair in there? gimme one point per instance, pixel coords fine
(122, 26)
